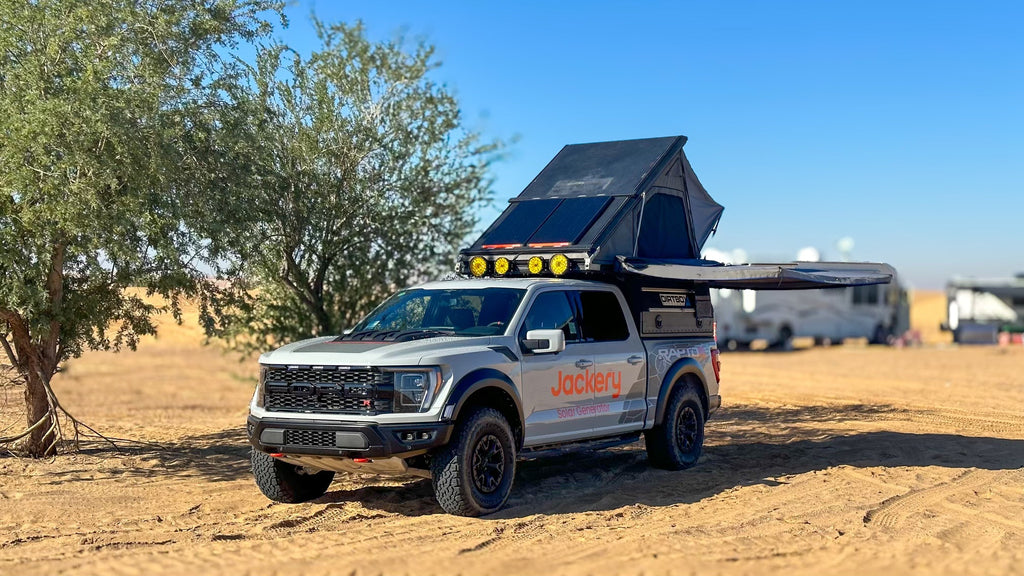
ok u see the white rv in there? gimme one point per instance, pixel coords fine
(874, 312)
(978, 309)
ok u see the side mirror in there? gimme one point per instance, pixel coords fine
(545, 341)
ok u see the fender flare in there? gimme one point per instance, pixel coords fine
(681, 368)
(475, 381)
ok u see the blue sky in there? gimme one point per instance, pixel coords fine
(899, 124)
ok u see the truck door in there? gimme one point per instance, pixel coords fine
(554, 385)
(620, 374)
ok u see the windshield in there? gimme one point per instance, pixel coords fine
(462, 312)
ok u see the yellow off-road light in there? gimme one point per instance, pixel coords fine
(501, 266)
(536, 264)
(478, 266)
(559, 264)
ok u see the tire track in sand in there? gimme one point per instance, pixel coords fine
(894, 512)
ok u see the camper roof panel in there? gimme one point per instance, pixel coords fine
(599, 169)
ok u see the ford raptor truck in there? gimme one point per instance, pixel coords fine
(581, 319)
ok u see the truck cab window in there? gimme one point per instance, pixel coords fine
(551, 311)
(603, 320)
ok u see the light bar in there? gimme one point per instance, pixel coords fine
(559, 264)
(548, 245)
(502, 266)
(477, 266)
(500, 246)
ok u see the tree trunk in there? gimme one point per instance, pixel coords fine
(41, 440)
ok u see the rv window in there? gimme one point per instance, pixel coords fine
(602, 317)
(865, 294)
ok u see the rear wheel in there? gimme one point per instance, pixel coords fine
(284, 482)
(473, 474)
(677, 442)
(785, 339)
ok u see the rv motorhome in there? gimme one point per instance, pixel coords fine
(979, 309)
(875, 312)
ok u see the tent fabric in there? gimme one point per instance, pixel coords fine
(784, 276)
(658, 209)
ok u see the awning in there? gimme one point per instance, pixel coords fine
(777, 276)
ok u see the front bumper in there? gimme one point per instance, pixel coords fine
(346, 439)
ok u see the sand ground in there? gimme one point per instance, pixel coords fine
(851, 459)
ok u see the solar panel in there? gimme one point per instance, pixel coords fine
(570, 220)
(521, 222)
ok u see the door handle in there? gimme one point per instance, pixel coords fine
(581, 364)
(635, 359)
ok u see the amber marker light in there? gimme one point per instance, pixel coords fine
(559, 264)
(478, 266)
(501, 266)
(536, 264)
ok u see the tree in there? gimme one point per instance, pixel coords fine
(109, 133)
(363, 180)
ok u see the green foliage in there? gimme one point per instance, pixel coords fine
(110, 112)
(363, 180)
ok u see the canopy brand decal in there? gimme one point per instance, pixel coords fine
(588, 383)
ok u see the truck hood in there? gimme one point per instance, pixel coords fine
(327, 351)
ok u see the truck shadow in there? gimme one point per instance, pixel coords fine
(747, 446)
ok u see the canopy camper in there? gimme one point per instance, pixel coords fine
(631, 209)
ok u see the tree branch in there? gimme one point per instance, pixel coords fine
(10, 353)
(55, 289)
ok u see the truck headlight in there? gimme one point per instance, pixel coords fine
(261, 386)
(415, 388)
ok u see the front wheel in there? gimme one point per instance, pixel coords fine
(284, 482)
(677, 442)
(473, 474)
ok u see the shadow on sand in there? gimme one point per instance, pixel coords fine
(745, 445)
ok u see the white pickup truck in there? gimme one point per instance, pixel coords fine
(455, 380)
(588, 323)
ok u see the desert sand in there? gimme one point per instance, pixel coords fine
(853, 459)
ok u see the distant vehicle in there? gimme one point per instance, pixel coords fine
(875, 312)
(979, 309)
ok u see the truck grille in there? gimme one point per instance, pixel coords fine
(318, 438)
(328, 390)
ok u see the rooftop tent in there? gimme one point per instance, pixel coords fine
(636, 207)
(631, 197)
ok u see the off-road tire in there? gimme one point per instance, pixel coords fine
(473, 474)
(284, 482)
(677, 442)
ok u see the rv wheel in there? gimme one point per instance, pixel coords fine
(785, 341)
(881, 335)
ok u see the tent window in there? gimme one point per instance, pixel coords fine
(521, 222)
(664, 229)
(570, 220)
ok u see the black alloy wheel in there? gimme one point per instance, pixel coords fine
(488, 464)
(687, 429)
